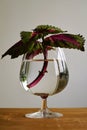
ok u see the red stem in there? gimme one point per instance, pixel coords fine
(42, 72)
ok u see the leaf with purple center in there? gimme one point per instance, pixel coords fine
(66, 41)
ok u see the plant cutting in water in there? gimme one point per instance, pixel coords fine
(41, 40)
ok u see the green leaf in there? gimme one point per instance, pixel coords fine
(26, 36)
(47, 29)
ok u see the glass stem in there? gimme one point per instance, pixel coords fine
(44, 107)
(44, 104)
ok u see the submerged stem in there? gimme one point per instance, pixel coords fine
(42, 72)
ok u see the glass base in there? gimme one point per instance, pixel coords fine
(44, 114)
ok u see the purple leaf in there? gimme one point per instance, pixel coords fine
(15, 50)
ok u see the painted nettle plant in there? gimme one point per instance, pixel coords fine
(41, 40)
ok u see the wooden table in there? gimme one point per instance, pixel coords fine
(13, 119)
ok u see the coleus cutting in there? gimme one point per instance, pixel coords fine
(50, 36)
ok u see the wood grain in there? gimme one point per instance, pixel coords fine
(14, 119)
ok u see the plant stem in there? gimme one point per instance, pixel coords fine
(42, 72)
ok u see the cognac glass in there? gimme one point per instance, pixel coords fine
(44, 78)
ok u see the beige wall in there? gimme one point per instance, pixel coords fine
(19, 15)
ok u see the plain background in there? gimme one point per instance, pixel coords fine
(24, 15)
